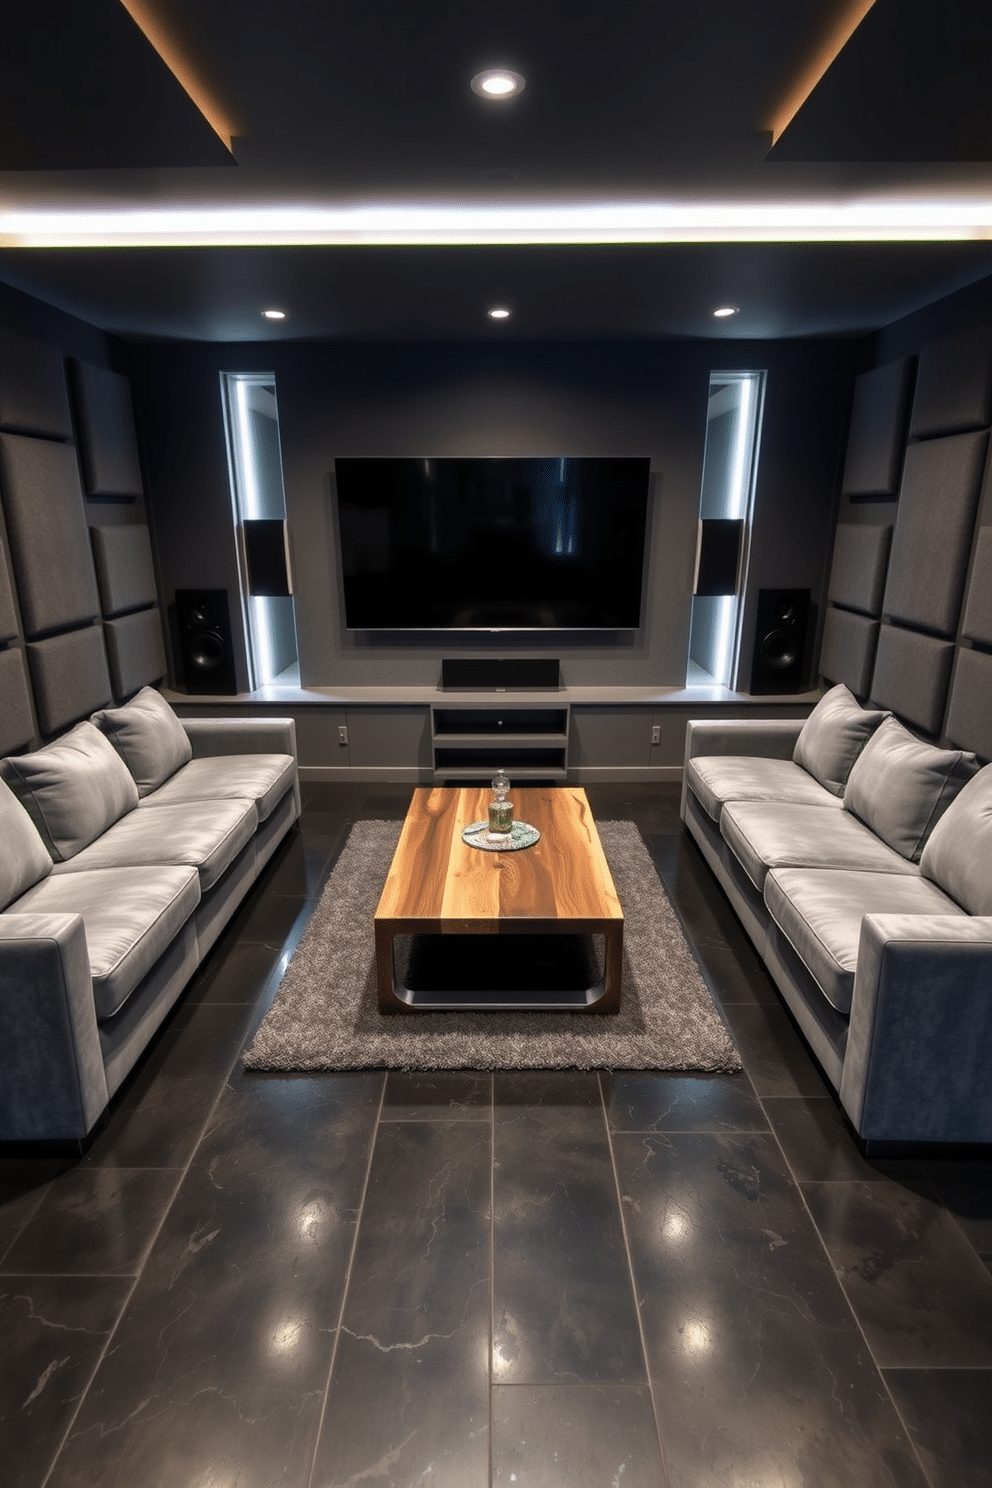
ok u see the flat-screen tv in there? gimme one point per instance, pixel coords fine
(457, 543)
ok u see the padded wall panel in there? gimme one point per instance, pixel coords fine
(953, 386)
(33, 395)
(876, 436)
(105, 421)
(125, 573)
(46, 527)
(135, 652)
(860, 564)
(16, 726)
(912, 672)
(977, 624)
(847, 653)
(933, 533)
(8, 614)
(969, 718)
(70, 678)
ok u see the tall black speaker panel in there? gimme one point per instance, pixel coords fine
(204, 621)
(780, 640)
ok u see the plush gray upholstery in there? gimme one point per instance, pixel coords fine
(977, 624)
(728, 777)
(149, 739)
(877, 431)
(958, 855)
(900, 787)
(795, 836)
(859, 567)
(208, 839)
(937, 502)
(24, 859)
(33, 397)
(911, 674)
(16, 727)
(107, 442)
(261, 779)
(969, 717)
(135, 651)
(72, 789)
(46, 528)
(8, 614)
(833, 737)
(69, 677)
(125, 572)
(953, 386)
(847, 653)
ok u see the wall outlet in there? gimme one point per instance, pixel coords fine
(342, 733)
(656, 733)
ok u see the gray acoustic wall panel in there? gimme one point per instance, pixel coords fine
(933, 533)
(977, 625)
(69, 676)
(8, 614)
(16, 725)
(33, 396)
(105, 421)
(877, 433)
(969, 718)
(847, 653)
(135, 652)
(911, 676)
(46, 527)
(953, 386)
(125, 573)
(860, 563)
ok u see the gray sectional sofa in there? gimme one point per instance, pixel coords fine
(858, 857)
(127, 845)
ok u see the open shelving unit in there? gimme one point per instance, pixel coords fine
(472, 740)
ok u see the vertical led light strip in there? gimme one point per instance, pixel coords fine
(246, 500)
(739, 491)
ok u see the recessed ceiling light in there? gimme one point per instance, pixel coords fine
(498, 83)
(274, 314)
(498, 312)
(724, 311)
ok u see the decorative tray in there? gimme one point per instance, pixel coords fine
(521, 835)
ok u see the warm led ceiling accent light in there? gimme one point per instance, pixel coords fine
(145, 16)
(498, 312)
(723, 312)
(274, 314)
(846, 22)
(498, 83)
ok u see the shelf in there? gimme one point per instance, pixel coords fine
(528, 742)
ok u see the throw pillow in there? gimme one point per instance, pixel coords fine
(959, 851)
(73, 789)
(148, 737)
(24, 860)
(900, 787)
(834, 735)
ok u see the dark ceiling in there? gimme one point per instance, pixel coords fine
(641, 100)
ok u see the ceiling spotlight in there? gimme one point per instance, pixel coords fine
(497, 82)
(724, 311)
(274, 314)
(498, 312)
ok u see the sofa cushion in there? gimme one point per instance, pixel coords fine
(148, 737)
(819, 911)
(24, 858)
(207, 836)
(715, 779)
(73, 789)
(764, 836)
(262, 778)
(131, 916)
(958, 854)
(834, 735)
(900, 787)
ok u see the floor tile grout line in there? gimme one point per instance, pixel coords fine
(633, 1284)
(347, 1283)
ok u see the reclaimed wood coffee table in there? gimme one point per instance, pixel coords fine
(439, 885)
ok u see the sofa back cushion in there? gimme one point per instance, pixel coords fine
(900, 787)
(833, 737)
(958, 854)
(24, 859)
(73, 789)
(148, 737)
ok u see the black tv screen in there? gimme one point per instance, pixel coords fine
(481, 543)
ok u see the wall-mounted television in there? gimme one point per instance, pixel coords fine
(479, 543)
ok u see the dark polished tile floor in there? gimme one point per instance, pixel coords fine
(456, 1280)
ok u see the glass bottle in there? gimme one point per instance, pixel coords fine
(500, 809)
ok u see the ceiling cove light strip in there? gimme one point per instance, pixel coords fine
(929, 220)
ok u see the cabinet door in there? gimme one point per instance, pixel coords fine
(385, 735)
(610, 737)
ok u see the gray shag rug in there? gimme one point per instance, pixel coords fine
(325, 1016)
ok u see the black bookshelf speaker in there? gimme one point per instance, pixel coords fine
(204, 621)
(780, 640)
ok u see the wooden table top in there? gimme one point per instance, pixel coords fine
(438, 883)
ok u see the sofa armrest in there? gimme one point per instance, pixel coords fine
(54, 1085)
(765, 738)
(213, 736)
(916, 1064)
